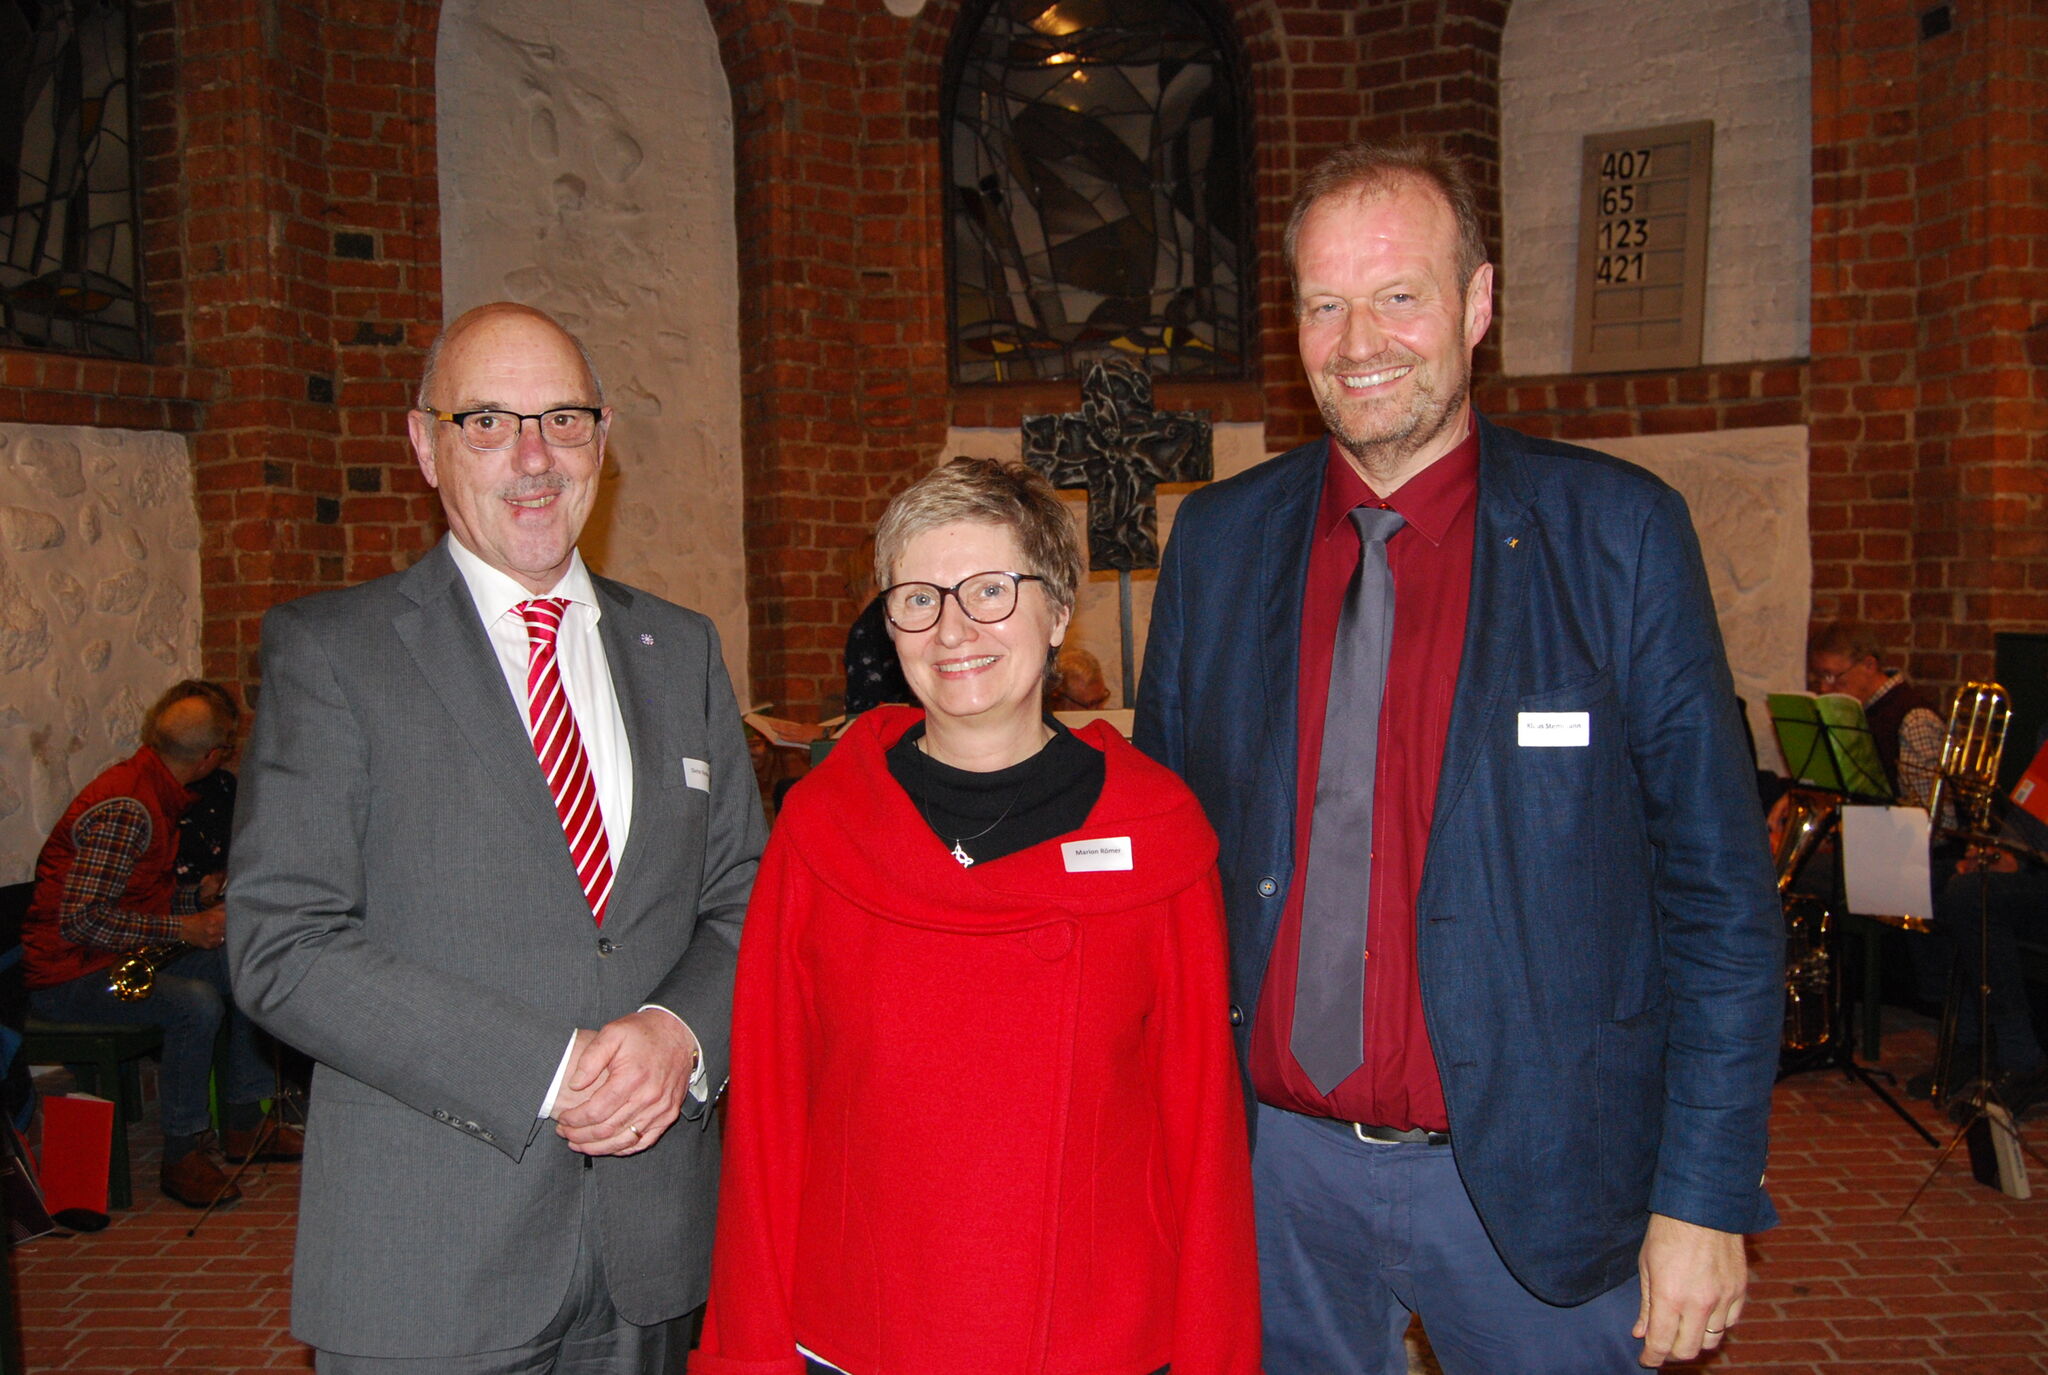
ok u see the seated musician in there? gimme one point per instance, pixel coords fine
(107, 887)
(1847, 658)
(1978, 910)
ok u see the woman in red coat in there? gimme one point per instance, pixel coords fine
(984, 1113)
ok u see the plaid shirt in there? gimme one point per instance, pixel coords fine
(110, 839)
(1920, 738)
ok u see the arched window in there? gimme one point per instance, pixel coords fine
(70, 278)
(1098, 189)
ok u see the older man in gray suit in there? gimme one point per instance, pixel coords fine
(496, 833)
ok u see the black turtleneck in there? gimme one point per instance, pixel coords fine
(995, 814)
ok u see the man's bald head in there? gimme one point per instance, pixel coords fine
(188, 724)
(466, 322)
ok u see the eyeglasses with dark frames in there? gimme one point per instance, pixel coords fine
(984, 598)
(489, 430)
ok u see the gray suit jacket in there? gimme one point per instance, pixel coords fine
(402, 907)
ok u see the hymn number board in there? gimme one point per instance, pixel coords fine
(1642, 276)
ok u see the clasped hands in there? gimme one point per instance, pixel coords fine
(625, 1083)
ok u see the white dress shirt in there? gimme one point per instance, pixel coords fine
(587, 683)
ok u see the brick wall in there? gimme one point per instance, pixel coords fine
(291, 263)
(845, 383)
(1928, 419)
(292, 252)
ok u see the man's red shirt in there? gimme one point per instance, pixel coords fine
(1430, 558)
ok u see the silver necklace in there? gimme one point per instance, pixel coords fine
(959, 850)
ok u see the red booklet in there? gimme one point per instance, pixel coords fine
(78, 1147)
(2031, 792)
(2032, 789)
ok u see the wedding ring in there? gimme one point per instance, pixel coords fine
(633, 1129)
(1715, 1331)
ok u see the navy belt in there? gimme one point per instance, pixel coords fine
(1388, 1136)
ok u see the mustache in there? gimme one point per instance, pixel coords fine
(539, 484)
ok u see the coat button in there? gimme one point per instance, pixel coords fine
(1268, 886)
(1236, 1015)
(1051, 942)
(605, 945)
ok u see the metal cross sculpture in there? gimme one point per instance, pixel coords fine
(1119, 450)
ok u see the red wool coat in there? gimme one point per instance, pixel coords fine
(982, 1119)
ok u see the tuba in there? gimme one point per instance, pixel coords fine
(133, 976)
(1810, 985)
(1809, 819)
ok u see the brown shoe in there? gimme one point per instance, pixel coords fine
(285, 1142)
(198, 1178)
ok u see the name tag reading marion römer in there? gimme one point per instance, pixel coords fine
(1093, 856)
(1552, 728)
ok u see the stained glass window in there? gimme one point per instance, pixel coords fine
(69, 277)
(1097, 190)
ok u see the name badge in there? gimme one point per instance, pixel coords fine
(1553, 729)
(1094, 856)
(697, 774)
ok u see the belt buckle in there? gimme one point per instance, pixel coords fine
(1358, 1130)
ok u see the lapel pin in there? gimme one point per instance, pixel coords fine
(645, 638)
(1511, 544)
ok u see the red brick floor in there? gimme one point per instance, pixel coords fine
(1843, 1286)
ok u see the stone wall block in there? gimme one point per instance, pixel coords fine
(103, 616)
(52, 465)
(24, 626)
(23, 529)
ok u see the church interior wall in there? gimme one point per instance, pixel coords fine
(1570, 68)
(294, 254)
(585, 159)
(99, 609)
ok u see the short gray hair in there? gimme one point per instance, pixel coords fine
(1852, 640)
(987, 492)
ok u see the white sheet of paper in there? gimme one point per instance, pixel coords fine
(1884, 861)
(696, 774)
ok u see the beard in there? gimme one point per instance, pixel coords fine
(1382, 441)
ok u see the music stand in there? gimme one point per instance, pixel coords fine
(1838, 1050)
(1828, 746)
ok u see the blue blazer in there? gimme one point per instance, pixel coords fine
(1600, 942)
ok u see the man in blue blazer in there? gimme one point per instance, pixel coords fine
(1544, 1128)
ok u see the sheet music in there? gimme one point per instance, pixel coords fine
(1884, 861)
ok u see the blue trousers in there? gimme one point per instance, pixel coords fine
(188, 1001)
(1356, 1236)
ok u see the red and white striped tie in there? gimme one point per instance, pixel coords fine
(560, 747)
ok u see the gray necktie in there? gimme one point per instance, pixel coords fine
(1328, 1038)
